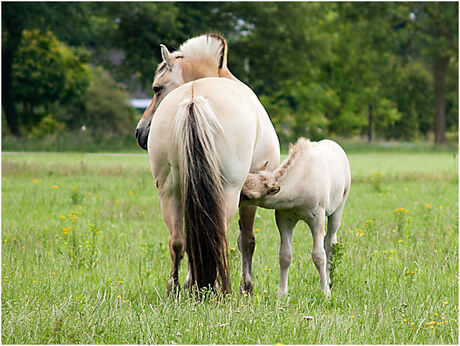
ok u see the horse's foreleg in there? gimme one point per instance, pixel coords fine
(318, 254)
(246, 245)
(333, 224)
(286, 224)
(172, 215)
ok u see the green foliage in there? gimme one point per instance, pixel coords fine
(318, 67)
(48, 126)
(103, 109)
(336, 259)
(46, 71)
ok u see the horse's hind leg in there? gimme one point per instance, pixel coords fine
(172, 215)
(246, 245)
(286, 224)
(318, 254)
(333, 224)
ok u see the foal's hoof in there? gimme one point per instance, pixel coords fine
(246, 287)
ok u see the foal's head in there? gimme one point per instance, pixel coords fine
(258, 185)
(199, 57)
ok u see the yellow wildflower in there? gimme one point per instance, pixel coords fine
(35, 181)
(399, 241)
(428, 206)
(435, 314)
(119, 297)
(55, 187)
(130, 192)
(75, 188)
(404, 320)
(62, 217)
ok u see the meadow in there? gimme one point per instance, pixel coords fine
(85, 259)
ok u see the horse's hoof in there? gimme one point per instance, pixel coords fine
(247, 287)
(172, 288)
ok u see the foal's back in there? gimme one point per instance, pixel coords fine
(331, 170)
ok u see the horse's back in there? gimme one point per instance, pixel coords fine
(235, 114)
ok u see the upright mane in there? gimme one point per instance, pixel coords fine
(210, 48)
(302, 144)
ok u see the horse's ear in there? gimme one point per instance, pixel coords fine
(166, 55)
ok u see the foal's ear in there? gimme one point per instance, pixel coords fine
(262, 167)
(166, 55)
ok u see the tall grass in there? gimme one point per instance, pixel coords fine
(85, 260)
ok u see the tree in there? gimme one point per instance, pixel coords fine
(436, 24)
(46, 71)
(71, 22)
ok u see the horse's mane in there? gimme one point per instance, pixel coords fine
(301, 145)
(211, 48)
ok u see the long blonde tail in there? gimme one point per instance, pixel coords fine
(202, 193)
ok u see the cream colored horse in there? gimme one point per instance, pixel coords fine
(311, 184)
(244, 135)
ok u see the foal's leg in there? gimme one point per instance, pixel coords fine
(286, 224)
(172, 215)
(333, 224)
(246, 245)
(318, 254)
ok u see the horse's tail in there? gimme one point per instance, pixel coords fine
(202, 193)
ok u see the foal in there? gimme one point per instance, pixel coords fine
(310, 185)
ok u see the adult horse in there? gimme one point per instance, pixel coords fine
(244, 140)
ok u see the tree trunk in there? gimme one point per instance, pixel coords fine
(7, 93)
(371, 118)
(440, 98)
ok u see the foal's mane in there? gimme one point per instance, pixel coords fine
(302, 144)
(210, 48)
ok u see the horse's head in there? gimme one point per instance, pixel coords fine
(199, 57)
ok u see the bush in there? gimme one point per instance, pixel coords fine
(104, 109)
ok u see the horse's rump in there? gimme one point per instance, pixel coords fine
(195, 125)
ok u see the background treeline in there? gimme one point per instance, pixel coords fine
(369, 70)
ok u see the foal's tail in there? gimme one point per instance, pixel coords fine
(202, 193)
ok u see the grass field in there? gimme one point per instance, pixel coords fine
(85, 260)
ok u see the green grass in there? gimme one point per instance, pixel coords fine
(104, 281)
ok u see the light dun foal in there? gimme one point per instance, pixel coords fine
(310, 185)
